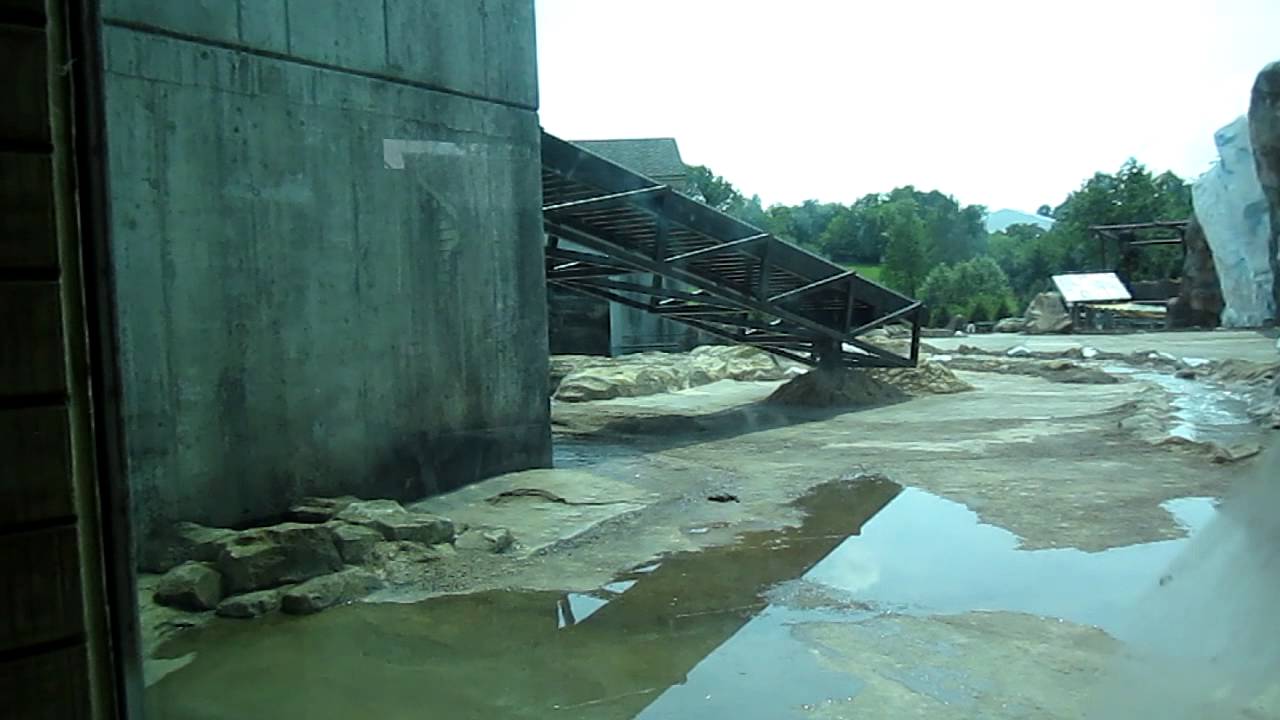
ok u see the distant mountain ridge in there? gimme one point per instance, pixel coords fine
(1001, 219)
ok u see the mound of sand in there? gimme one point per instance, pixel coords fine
(836, 388)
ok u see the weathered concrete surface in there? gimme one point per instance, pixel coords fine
(1264, 132)
(589, 500)
(486, 52)
(1232, 209)
(329, 276)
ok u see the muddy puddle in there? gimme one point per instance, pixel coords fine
(707, 634)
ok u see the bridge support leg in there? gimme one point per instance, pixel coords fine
(828, 354)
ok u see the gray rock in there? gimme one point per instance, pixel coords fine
(1199, 301)
(286, 553)
(180, 543)
(326, 591)
(1047, 314)
(1010, 325)
(1264, 133)
(493, 540)
(190, 586)
(355, 542)
(1185, 374)
(318, 509)
(1232, 208)
(396, 523)
(250, 605)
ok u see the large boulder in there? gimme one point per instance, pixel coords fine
(355, 542)
(180, 543)
(1230, 206)
(277, 555)
(1199, 301)
(1047, 314)
(190, 586)
(328, 590)
(318, 509)
(656, 372)
(1264, 133)
(251, 605)
(393, 522)
(736, 362)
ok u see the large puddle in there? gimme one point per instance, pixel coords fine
(708, 634)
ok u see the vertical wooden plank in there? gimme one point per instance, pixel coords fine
(35, 467)
(48, 686)
(40, 601)
(28, 234)
(31, 362)
(24, 114)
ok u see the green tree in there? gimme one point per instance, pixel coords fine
(906, 253)
(977, 289)
(707, 187)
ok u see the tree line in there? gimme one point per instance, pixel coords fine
(929, 246)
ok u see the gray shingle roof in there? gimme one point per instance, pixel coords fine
(657, 158)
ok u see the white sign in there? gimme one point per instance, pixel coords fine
(1091, 287)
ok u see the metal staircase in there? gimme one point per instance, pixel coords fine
(605, 223)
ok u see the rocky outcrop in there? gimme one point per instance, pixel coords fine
(1010, 325)
(318, 509)
(393, 522)
(1264, 132)
(190, 586)
(251, 605)
(1199, 301)
(180, 543)
(326, 591)
(1232, 210)
(266, 557)
(1047, 314)
(355, 542)
(586, 378)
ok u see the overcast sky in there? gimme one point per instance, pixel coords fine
(1003, 103)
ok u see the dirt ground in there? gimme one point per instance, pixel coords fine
(1053, 468)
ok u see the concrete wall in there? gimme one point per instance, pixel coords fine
(329, 252)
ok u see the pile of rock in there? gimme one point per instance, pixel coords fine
(578, 378)
(836, 389)
(926, 378)
(329, 551)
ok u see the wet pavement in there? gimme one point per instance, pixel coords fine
(713, 633)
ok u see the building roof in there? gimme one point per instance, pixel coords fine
(656, 158)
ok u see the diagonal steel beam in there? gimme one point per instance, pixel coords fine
(676, 272)
(607, 199)
(815, 285)
(710, 330)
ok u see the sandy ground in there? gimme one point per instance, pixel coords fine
(1053, 467)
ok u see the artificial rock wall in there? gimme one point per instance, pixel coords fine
(328, 249)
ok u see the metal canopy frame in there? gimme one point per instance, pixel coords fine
(1139, 234)
(709, 270)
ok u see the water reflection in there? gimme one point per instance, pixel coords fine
(705, 634)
